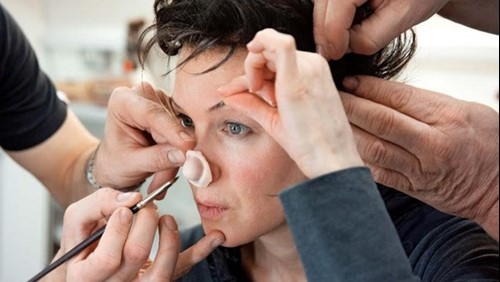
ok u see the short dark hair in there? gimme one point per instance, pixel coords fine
(230, 24)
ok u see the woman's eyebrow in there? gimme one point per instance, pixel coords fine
(215, 107)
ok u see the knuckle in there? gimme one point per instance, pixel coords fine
(106, 264)
(376, 152)
(367, 45)
(70, 212)
(319, 65)
(401, 96)
(104, 194)
(382, 123)
(288, 42)
(378, 174)
(161, 161)
(135, 253)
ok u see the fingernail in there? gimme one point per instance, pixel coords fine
(351, 83)
(124, 215)
(170, 224)
(186, 137)
(123, 197)
(250, 44)
(176, 156)
(217, 242)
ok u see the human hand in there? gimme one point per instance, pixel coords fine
(430, 146)
(140, 139)
(123, 250)
(336, 32)
(300, 94)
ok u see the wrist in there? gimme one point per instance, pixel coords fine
(90, 173)
(89, 170)
(488, 219)
(489, 222)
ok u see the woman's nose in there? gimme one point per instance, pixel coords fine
(197, 170)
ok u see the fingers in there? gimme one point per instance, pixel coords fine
(337, 22)
(106, 258)
(139, 242)
(255, 108)
(384, 122)
(319, 15)
(384, 155)
(391, 178)
(413, 102)
(157, 158)
(139, 113)
(82, 217)
(278, 50)
(387, 22)
(163, 267)
(198, 252)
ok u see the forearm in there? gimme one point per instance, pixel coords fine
(59, 162)
(490, 225)
(478, 14)
(342, 229)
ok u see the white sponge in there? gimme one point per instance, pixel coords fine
(196, 169)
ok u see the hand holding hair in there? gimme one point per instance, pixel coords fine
(336, 32)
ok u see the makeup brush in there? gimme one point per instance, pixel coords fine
(98, 234)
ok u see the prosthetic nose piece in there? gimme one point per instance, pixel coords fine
(196, 169)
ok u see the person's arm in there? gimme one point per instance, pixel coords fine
(343, 231)
(477, 14)
(59, 162)
(38, 131)
(438, 149)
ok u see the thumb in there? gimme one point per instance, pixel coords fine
(379, 29)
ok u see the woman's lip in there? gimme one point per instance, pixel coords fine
(210, 210)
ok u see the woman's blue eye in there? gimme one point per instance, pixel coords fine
(236, 129)
(186, 121)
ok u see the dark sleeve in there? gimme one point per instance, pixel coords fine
(457, 250)
(441, 247)
(343, 231)
(30, 111)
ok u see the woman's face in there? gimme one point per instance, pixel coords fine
(249, 168)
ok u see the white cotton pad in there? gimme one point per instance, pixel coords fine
(196, 169)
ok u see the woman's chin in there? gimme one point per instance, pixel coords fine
(233, 238)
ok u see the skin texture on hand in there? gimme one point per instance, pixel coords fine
(289, 93)
(335, 34)
(433, 147)
(122, 252)
(140, 138)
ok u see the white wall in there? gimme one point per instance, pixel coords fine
(457, 61)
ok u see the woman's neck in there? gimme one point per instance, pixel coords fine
(273, 257)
